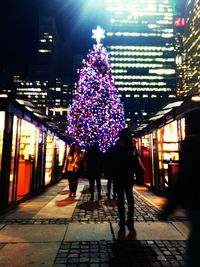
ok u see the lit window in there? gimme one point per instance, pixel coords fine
(45, 50)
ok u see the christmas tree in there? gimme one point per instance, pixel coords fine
(96, 114)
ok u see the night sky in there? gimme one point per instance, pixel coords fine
(75, 20)
(19, 28)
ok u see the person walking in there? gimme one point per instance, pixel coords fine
(93, 160)
(186, 194)
(123, 163)
(71, 168)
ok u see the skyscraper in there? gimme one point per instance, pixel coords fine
(44, 86)
(48, 50)
(191, 47)
(179, 27)
(140, 40)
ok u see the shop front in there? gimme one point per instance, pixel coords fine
(23, 158)
(2, 126)
(159, 143)
(144, 152)
(31, 154)
(169, 138)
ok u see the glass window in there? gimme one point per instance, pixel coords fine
(2, 125)
(27, 156)
(49, 158)
(15, 144)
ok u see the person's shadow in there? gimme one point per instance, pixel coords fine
(65, 202)
(85, 191)
(89, 206)
(128, 251)
(64, 192)
(110, 203)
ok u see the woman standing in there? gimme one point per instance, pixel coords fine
(71, 168)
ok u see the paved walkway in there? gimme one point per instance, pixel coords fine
(54, 230)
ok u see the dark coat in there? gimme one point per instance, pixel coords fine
(123, 161)
(93, 160)
(186, 193)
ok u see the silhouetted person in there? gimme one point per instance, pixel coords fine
(109, 173)
(93, 160)
(71, 168)
(123, 162)
(186, 194)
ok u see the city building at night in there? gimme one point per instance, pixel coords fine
(44, 86)
(191, 47)
(179, 27)
(178, 32)
(52, 99)
(140, 40)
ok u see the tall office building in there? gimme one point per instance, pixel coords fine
(191, 45)
(140, 40)
(179, 27)
(44, 86)
(48, 50)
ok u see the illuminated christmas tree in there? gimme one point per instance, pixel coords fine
(96, 114)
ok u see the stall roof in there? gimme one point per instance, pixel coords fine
(25, 103)
(174, 108)
(173, 105)
(35, 113)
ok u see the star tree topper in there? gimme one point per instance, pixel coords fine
(98, 34)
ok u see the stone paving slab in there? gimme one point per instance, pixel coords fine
(88, 231)
(124, 253)
(28, 254)
(40, 198)
(183, 228)
(2, 226)
(153, 231)
(32, 233)
(62, 206)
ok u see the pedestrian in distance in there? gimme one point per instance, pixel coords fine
(186, 194)
(109, 173)
(123, 163)
(93, 161)
(139, 168)
(71, 168)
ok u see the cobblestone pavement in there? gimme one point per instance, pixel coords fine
(123, 253)
(103, 210)
(106, 209)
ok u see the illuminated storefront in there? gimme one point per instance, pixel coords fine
(49, 160)
(31, 154)
(2, 125)
(144, 151)
(159, 143)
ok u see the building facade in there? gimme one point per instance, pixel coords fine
(140, 40)
(179, 28)
(191, 47)
(44, 86)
